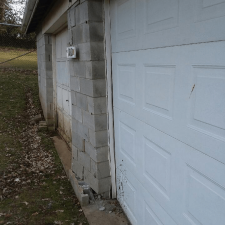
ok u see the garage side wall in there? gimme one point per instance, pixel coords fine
(88, 93)
(44, 53)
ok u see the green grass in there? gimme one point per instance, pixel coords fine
(50, 200)
(28, 62)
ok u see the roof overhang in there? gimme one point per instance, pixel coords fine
(35, 11)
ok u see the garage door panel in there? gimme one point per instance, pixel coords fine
(206, 105)
(159, 89)
(169, 102)
(148, 154)
(174, 92)
(171, 171)
(143, 24)
(203, 195)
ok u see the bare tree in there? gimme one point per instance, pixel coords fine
(2, 9)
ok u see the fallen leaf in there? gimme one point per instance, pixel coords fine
(61, 211)
(26, 203)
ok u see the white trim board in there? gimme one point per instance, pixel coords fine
(108, 53)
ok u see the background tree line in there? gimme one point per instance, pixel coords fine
(11, 12)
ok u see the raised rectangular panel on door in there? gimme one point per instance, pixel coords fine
(208, 21)
(124, 25)
(125, 81)
(159, 89)
(203, 99)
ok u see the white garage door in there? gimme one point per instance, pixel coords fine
(169, 104)
(63, 86)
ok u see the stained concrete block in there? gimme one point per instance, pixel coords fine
(83, 198)
(73, 98)
(91, 51)
(96, 105)
(95, 70)
(78, 141)
(80, 129)
(88, 32)
(70, 37)
(47, 39)
(95, 122)
(93, 88)
(74, 153)
(98, 185)
(71, 17)
(78, 169)
(80, 69)
(100, 169)
(82, 13)
(98, 138)
(89, 11)
(100, 154)
(75, 83)
(81, 33)
(96, 31)
(77, 114)
(81, 101)
(85, 160)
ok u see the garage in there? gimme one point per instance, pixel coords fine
(168, 74)
(63, 86)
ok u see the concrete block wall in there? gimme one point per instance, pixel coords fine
(88, 89)
(45, 77)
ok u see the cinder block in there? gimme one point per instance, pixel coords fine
(71, 17)
(49, 74)
(73, 98)
(89, 11)
(48, 65)
(96, 31)
(78, 169)
(98, 138)
(93, 88)
(47, 39)
(81, 101)
(77, 113)
(97, 105)
(85, 160)
(78, 141)
(78, 35)
(100, 169)
(98, 185)
(70, 37)
(82, 13)
(95, 9)
(74, 153)
(95, 70)
(88, 32)
(97, 154)
(97, 51)
(95, 122)
(80, 129)
(75, 83)
(83, 198)
(77, 68)
(91, 51)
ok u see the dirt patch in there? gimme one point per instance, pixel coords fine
(34, 188)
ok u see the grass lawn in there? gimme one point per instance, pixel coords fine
(33, 186)
(28, 61)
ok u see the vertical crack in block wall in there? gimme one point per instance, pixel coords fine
(88, 93)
